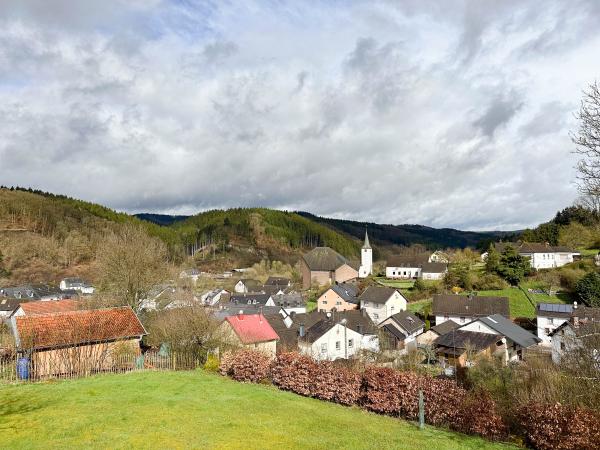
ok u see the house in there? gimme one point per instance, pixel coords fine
(280, 282)
(159, 294)
(246, 285)
(366, 259)
(8, 305)
(439, 257)
(381, 302)
(541, 255)
(515, 338)
(339, 336)
(577, 334)
(339, 297)
(323, 266)
(35, 292)
(251, 331)
(254, 298)
(415, 267)
(190, 274)
(428, 337)
(77, 341)
(460, 348)
(549, 317)
(400, 330)
(291, 303)
(463, 309)
(289, 329)
(76, 284)
(211, 298)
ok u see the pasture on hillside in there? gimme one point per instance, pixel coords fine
(195, 409)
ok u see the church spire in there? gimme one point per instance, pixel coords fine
(367, 245)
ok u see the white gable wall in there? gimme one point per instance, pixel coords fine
(546, 325)
(381, 311)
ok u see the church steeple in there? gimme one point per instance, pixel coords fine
(367, 245)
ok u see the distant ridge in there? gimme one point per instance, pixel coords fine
(161, 219)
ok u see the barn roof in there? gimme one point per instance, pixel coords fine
(252, 328)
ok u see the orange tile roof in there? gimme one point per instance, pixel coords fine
(252, 328)
(49, 307)
(78, 327)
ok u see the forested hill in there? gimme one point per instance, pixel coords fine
(406, 235)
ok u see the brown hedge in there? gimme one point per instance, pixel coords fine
(560, 427)
(294, 372)
(246, 365)
(336, 384)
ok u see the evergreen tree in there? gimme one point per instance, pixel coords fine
(513, 267)
(588, 289)
(492, 261)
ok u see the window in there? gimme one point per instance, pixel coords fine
(338, 303)
(392, 310)
(375, 316)
(350, 343)
(324, 348)
(562, 345)
(338, 345)
(462, 320)
(551, 321)
(324, 302)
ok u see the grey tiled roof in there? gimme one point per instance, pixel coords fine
(469, 306)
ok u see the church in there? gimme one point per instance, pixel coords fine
(366, 259)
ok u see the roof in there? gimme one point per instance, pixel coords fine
(251, 284)
(37, 308)
(581, 329)
(469, 306)
(553, 310)
(445, 327)
(8, 304)
(278, 281)
(31, 291)
(230, 309)
(292, 300)
(78, 327)
(252, 328)
(366, 245)
(533, 247)
(434, 267)
(510, 330)
(462, 339)
(253, 298)
(324, 259)
(356, 320)
(408, 321)
(394, 331)
(347, 292)
(408, 260)
(377, 294)
(76, 282)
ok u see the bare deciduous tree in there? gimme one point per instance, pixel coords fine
(587, 141)
(130, 263)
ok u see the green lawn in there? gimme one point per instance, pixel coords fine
(197, 410)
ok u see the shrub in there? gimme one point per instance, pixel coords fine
(294, 372)
(569, 277)
(489, 282)
(379, 387)
(588, 289)
(335, 383)
(211, 364)
(558, 427)
(477, 414)
(246, 366)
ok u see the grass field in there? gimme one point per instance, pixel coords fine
(197, 410)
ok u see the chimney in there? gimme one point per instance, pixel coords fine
(301, 330)
(574, 305)
(241, 312)
(576, 321)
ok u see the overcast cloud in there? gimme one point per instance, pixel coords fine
(439, 113)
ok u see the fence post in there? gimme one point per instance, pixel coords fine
(421, 410)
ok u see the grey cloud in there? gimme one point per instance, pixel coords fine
(498, 113)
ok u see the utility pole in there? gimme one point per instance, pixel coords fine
(421, 410)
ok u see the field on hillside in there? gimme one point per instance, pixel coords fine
(197, 410)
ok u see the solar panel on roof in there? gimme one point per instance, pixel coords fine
(555, 307)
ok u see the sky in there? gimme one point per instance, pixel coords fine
(447, 114)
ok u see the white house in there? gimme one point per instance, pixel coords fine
(190, 274)
(260, 299)
(290, 303)
(76, 284)
(439, 256)
(550, 316)
(246, 285)
(339, 336)
(408, 268)
(366, 259)
(211, 298)
(541, 255)
(381, 302)
(463, 309)
(515, 338)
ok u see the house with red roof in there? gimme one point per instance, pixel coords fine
(77, 341)
(251, 331)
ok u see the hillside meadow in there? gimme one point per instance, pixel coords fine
(198, 410)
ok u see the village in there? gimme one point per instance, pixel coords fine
(336, 310)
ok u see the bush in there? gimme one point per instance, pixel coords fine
(569, 278)
(336, 384)
(558, 427)
(477, 414)
(380, 387)
(246, 366)
(294, 372)
(489, 282)
(211, 364)
(588, 289)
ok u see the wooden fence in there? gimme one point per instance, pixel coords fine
(19, 370)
